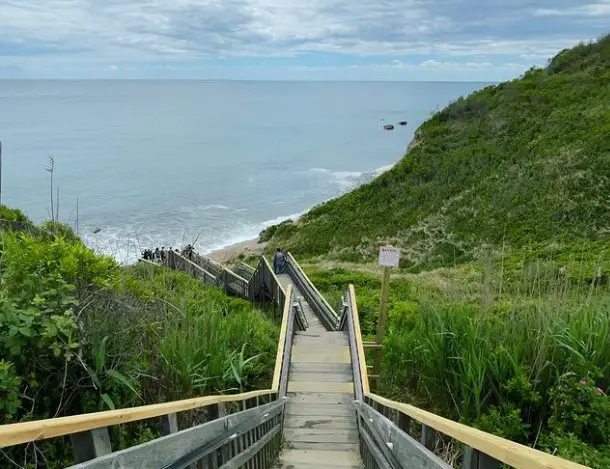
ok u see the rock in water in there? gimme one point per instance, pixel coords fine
(402, 123)
(388, 127)
(97, 230)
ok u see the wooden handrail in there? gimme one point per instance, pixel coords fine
(514, 454)
(298, 267)
(264, 259)
(359, 345)
(18, 433)
(277, 372)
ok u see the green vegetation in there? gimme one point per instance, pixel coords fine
(500, 313)
(527, 161)
(79, 334)
(531, 364)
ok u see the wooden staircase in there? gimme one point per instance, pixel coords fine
(320, 425)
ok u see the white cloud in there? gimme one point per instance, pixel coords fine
(601, 8)
(471, 34)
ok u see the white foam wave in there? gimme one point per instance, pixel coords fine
(347, 180)
(247, 233)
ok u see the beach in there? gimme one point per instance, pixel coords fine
(248, 248)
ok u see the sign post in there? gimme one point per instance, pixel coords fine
(389, 258)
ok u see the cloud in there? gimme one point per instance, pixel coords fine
(597, 9)
(116, 31)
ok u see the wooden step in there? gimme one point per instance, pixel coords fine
(321, 423)
(314, 458)
(321, 387)
(308, 399)
(313, 376)
(295, 435)
(337, 354)
(304, 445)
(330, 410)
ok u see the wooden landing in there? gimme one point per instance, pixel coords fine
(320, 427)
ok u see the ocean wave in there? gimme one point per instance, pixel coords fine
(247, 232)
(347, 180)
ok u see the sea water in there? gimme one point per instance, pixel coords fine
(165, 163)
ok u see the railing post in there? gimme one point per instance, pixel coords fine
(404, 422)
(428, 437)
(90, 444)
(474, 459)
(169, 424)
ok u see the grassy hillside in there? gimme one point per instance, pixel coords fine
(80, 334)
(499, 316)
(524, 162)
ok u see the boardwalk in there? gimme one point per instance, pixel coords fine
(320, 428)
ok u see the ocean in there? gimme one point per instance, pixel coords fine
(165, 163)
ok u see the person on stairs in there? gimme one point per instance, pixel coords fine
(279, 259)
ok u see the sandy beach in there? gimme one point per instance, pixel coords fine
(247, 248)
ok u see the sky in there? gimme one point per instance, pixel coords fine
(440, 40)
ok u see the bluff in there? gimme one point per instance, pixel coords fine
(520, 163)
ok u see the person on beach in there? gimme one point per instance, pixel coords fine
(279, 258)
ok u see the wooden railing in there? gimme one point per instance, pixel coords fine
(250, 437)
(400, 436)
(262, 287)
(318, 303)
(244, 270)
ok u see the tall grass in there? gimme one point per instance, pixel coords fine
(493, 346)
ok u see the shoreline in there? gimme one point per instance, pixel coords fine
(250, 247)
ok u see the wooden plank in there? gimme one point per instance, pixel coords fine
(358, 333)
(321, 377)
(272, 274)
(320, 409)
(320, 458)
(308, 446)
(169, 423)
(302, 354)
(187, 446)
(474, 459)
(320, 436)
(321, 398)
(511, 453)
(245, 456)
(90, 444)
(396, 445)
(18, 433)
(321, 422)
(321, 387)
(298, 267)
(287, 353)
(282, 341)
(376, 457)
(331, 368)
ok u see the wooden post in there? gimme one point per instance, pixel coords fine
(428, 437)
(474, 459)
(90, 444)
(381, 322)
(169, 424)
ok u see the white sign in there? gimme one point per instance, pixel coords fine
(389, 257)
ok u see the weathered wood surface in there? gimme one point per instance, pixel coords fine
(325, 313)
(279, 358)
(193, 443)
(17, 433)
(319, 418)
(511, 453)
(396, 445)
